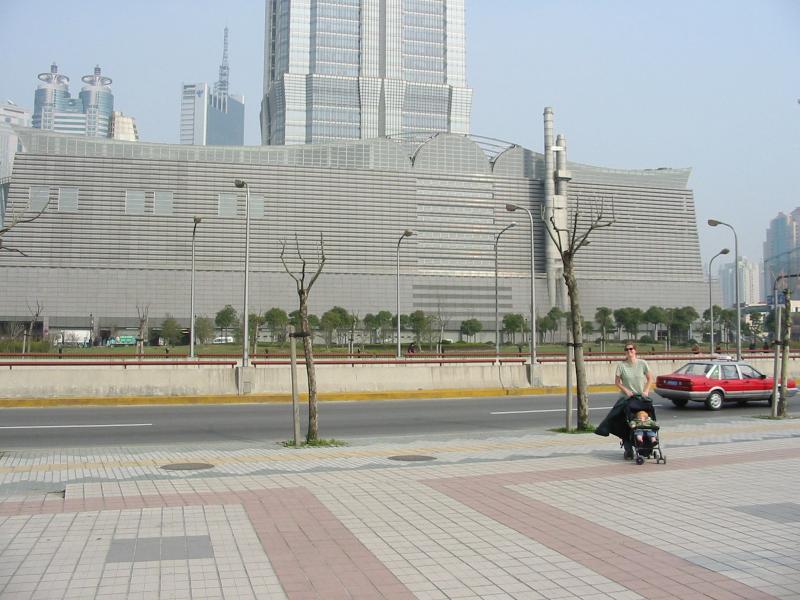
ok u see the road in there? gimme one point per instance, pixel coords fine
(265, 423)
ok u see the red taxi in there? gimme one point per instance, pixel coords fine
(715, 382)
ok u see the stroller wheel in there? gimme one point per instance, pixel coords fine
(639, 460)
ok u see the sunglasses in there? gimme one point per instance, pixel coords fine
(629, 349)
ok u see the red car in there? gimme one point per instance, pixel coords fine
(715, 382)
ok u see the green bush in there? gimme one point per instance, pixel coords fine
(647, 339)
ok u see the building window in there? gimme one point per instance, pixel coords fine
(162, 203)
(256, 206)
(68, 199)
(227, 204)
(39, 197)
(134, 202)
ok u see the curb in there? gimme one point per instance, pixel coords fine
(286, 398)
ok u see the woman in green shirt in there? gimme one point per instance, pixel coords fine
(633, 378)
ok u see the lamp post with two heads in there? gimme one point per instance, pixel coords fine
(512, 208)
(241, 183)
(496, 301)
(714, 223)
(710, 300)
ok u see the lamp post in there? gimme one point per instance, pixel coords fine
(406, 233)
(512, 208)
(710, 301)
(240, 183)
(496, 302)
(714, 223)
(191, 301)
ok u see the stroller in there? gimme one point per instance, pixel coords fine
(643, 443)
(645, 440)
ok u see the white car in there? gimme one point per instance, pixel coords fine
(223, 340)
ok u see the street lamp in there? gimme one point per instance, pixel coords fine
(512, 208)
(710, 301)
(496, 302)
(406, 233)
(191, 303)
(240, 183)
(714, 223)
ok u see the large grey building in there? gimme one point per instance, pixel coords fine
(359, 69)
(117, 229)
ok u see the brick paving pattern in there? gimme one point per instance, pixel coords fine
(538, 516)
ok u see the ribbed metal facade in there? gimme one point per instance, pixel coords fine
(117, 231)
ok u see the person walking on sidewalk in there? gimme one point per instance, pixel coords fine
(633, 378)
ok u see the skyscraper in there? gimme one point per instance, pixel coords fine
(212, 117)
(749, 282)
(88, 114)
(782, 250)
(123, 128)
(359, 69)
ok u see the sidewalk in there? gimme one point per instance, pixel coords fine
(527, 517)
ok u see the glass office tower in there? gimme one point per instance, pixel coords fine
(359, 69)
(88, 114)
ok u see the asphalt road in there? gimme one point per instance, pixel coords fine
(266, 423)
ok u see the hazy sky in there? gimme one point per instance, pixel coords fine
(709, 84)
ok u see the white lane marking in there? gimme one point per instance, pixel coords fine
(549, 410)
(75, 426)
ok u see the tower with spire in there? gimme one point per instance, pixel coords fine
(212, 116)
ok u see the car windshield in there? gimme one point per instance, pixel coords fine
(695, 369)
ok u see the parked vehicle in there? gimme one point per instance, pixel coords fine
(715, 382)
(223, 340)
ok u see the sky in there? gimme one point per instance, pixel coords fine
(712, 84)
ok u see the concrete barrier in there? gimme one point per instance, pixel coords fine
(212, 380)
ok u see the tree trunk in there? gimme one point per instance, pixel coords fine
(787, 338)
(308, 351)
(577, 339)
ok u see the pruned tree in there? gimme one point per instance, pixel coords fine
(303, 291)
(470, 328)
(277, 320)
(36, 312)
(586, 218)
(142, 311)
(171, 331)
(602, 317)
(203, 329)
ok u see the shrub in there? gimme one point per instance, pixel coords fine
(647, 339)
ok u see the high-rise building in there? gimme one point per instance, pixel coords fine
(98, 103)
(782, 250)
(749, 282)
(123, 127)
(360, 69)
(212, 117)
(12, 114)
(88, 114)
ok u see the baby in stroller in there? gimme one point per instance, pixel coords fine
(641, 417)
(633, 420)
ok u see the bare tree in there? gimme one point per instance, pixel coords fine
(36, 312)
(303, 291)
(142, 310)
(16, 221)
(568, 241)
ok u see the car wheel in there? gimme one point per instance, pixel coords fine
(714, 400)
(769, 400)
(680, 403)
